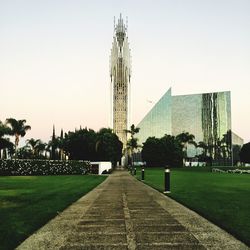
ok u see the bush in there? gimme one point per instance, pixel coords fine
(43, 167)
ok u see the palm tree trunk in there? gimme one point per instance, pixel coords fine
(16, 144)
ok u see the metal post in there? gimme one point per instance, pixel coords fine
(167, 181)
(131, 170)
(142, 173)
(135, 171)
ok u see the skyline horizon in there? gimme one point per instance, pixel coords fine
(81, 126)
(54, 65)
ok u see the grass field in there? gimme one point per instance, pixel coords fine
(220, 197)
(27, 203)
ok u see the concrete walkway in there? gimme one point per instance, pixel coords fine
(123, 213)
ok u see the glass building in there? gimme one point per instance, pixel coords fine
(207, 116)
(158, 120)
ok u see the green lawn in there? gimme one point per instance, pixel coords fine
(27, 203)
(220, 197)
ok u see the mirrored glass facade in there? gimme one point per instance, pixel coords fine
(207, 116)
(158, 120)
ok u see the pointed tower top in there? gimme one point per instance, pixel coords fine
(120, 31)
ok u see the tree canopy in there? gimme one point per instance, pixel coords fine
(86, 144)
(5, 142)
(245, 153)
(132, 143)
(162, 151)
(17, 129)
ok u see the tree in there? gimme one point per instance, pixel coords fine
(173, 152)
(132, 143)
(80, 145)
(24, 152)
(53, 144)
(46, 150)
(108, 146)
(245, 153)
(34, 145)
(153, 152)
(86, 144)
(61, 153)
(18, 128)
(236, 154)
(41, 147)
(226, 146)
(162, 151)
(227, 141)
(203, 146)
(4, 142)
(184, 139)
(4, 130)
(133, 130)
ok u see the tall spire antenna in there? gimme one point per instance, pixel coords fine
(120, 70)
(127, 23)
(114, 24)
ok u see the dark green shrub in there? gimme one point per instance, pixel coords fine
(43, 167)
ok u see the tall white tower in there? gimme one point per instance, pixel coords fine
(120, 72)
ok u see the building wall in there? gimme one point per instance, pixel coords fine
(187, 111)
(158, 120)
(207, 116)
(237, 140)
(216, 124)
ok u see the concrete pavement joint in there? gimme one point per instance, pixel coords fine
(129, 225)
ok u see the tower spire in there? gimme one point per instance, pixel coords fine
(120, 70)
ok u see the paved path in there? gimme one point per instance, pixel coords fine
(123, 213)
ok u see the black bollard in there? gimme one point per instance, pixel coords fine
(142, 173)
(135, 171)
(167, 181)
(131, 170)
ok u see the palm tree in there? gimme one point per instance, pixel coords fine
(60, 146)
(133, 130)
(34, 145)
(132, 143)
(4, 130)
(41, 147)
(184, 139)
(24, 152)
(18, 128)
(4, 142)
(203, 146)
(47, 150)
(227, 142)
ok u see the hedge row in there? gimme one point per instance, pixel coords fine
(43, 167)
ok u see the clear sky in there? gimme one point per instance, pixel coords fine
(54, 58)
